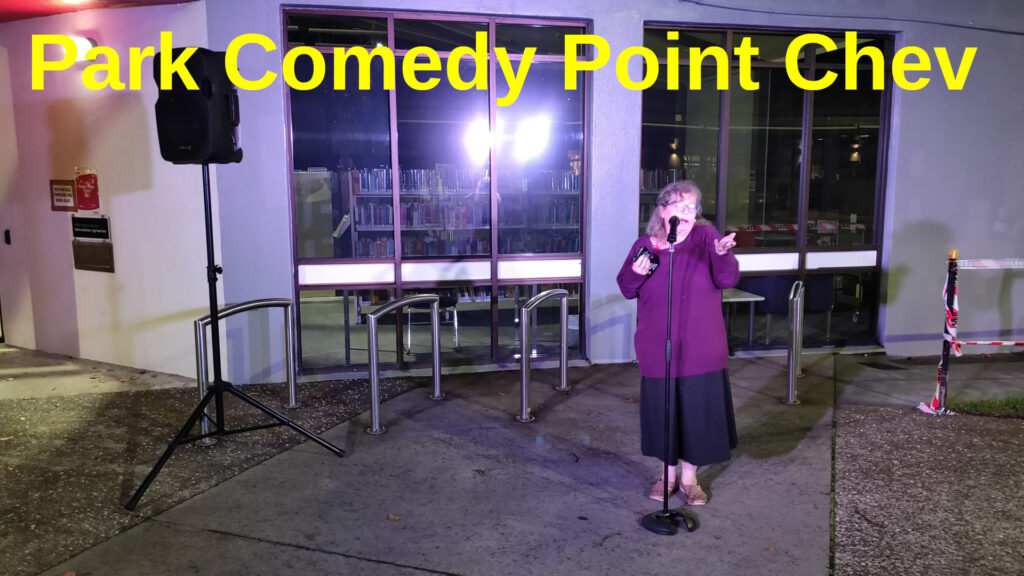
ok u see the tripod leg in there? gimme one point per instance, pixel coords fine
(179, 439)
(284, 420)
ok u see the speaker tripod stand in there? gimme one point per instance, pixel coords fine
(215, 391)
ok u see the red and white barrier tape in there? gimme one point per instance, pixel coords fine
(991, 264)
(992, 342)
(949, 329)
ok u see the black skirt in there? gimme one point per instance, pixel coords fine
(702, 425)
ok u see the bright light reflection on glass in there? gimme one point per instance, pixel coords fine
(532, 137)
(478, 141)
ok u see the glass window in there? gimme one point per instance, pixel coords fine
(840, 309)
(679, 141)
(341, 148)
(328, 30)
(837, 57)
(539, 147)
(443, 36)
(771, 47)
(443, 153)
(455, 167)
(332, 328)
(545, 330)
(773, 187)
(546, 39)
(656, 40)
(763, 186)
(464, 325)
(844, 165)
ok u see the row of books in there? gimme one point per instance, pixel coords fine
(444, 180)
(658, 179)
(374, 214)
(448, 180)
(470, 246)
(448, 215)
(562, 212)
(431, 246)
(539, 244)
(375, 248)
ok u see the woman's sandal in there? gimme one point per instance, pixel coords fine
(694, 495)
(658, 492)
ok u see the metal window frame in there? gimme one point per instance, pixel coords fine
(399, 285)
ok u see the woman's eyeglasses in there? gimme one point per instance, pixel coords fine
(684, 206)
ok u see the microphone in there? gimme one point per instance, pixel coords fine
(673, 222)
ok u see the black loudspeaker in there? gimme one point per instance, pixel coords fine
(198, 126)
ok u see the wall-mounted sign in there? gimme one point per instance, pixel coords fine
(90, 228)
(62, 196)
(95, 256)
(88, 192)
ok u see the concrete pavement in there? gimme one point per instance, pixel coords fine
(458, 487)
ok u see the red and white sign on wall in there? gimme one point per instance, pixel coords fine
(87, 190)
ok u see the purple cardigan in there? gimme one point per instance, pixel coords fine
(698, 331)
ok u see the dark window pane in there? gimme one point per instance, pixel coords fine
(770, 326)
(545, 323)
(539, 165)
(326, 30)
(464, 322)
(341, 147)
(840, 309)
(656, 39)
(838, 57)
(764, 161)
(546, 39)
(679, 140)
(439, 35)
(771, 47)
(332, 328)
(443, 154)
(841, 208)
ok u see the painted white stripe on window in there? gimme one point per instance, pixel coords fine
(520, 269)
(766, 262)
(443, 271)
(324, 274)
(852, 259)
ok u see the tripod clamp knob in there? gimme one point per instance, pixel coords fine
(211, 274)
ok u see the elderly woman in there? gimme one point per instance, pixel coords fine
(702, 426)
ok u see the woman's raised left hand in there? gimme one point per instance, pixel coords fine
(724, 244)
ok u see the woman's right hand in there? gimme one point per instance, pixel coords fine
(642, 265)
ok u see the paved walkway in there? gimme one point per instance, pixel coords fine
(458, 487)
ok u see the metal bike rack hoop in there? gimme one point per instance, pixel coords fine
(228, 311)
(525, 344)
(796, 339)
(371, 320)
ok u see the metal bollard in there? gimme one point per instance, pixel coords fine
(226, 312)
(796, 339)
(375, 425)
(525, 344)
(289, 357)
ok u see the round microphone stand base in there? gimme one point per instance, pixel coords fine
(666, 522)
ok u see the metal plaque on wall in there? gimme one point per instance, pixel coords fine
(95, 256)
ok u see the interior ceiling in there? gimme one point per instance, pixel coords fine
(22, 9)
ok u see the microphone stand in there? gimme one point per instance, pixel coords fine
(665, 521)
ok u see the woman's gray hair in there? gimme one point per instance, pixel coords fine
(672, 193)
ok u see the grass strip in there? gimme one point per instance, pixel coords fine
(1012, 407)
